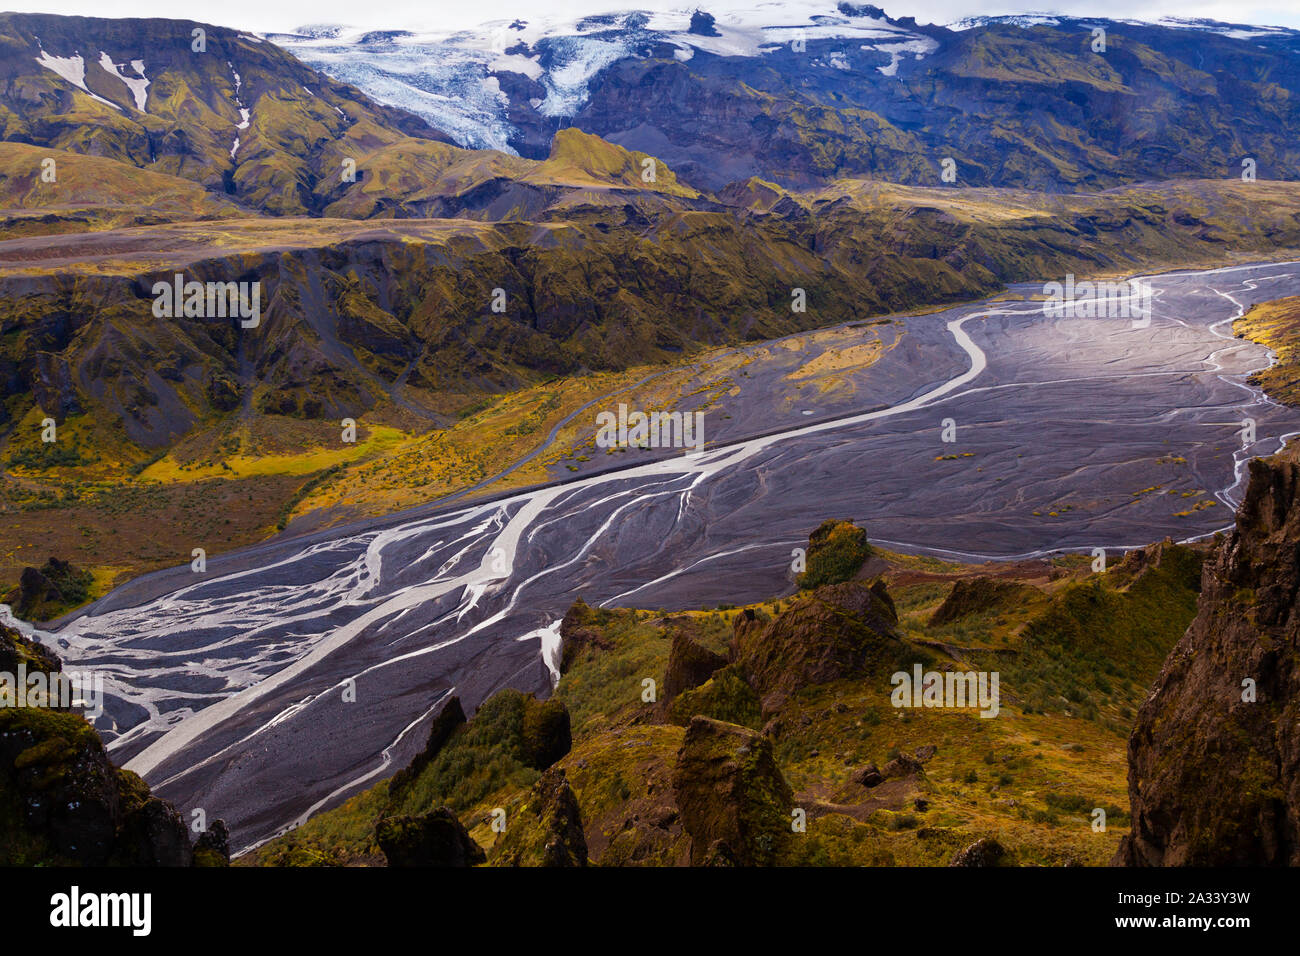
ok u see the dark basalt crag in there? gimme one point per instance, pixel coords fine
(63, 802)
(841, 630)
(547, 829)
(974, 595)
(690, 664)
(435, 838)
(1213, 777)
(734, 802)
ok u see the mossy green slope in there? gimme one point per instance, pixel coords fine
(189, 116)
(872, 784)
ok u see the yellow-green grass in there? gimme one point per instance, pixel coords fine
(1277, 326)
(1031, 778)
(371, 441)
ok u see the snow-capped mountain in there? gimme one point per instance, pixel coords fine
(471, 83)
(1237, 31)
(456, 80)
(804, 92)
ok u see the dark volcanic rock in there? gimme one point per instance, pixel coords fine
(154, 834)
(48, 591)
(451, 717)
(983, 852)
(436, 838)
(70, 804)
(902, 766)
(689, 665)
(838, 631)
(868, 776)
(577, 633)
(212, 848)
(734, 802)
(719, 854)
(837, 550)
(16, 649)
(547, 829)
(35, 587)
(546, 734)
(972, 595)
(725, 696)
(1214, 779)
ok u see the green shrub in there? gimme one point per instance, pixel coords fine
(836, 552)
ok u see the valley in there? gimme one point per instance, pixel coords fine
(228, 691)
(345, 376)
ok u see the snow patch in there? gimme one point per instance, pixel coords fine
(245, 114)
(138, 85)
(1026, 21)
(1236, 31)
(919, 48)
(514, 63)
(73, 69)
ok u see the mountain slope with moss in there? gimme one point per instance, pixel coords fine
(399, 326)
(1038, 104)
(828, 771)
(220, 108)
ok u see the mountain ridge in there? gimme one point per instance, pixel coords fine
(863, 94)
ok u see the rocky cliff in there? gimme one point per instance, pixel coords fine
(63, 802)
(1214, 760)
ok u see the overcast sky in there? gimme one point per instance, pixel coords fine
(272, 15)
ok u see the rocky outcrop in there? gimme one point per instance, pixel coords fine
(838, 631)
(510, 738)
(212, 848)
(546, 736)
(449, 719)
(973, 595)
(578, 633)
(63, 802)
(16, 649)
(983, 852)
(902, 766)
(837, 550)
(868, 776)
(1214, 758)
(547, 829)
(724, 696)
(435, 838)
(689, 665)
(46, 592)
(734, 802)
